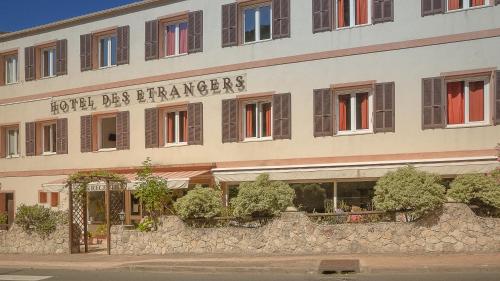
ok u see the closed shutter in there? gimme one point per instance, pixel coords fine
(151, 126)
(497, 98)
(384, 108)
(195, 123)
(230, 25)
(281, 19)
(30, 138)
(29, 63)
(195, 32)
(122, 45)
(62, 57)
(383, 11)
(433, 103)
(86, 133)
(42, 197)
(322, 15)
(85, 52)
(123, 130)
(282, 116)
(432, 7)
(62, 136)
(323, 113)
(151, 43)
(230, 120)
(54, 199)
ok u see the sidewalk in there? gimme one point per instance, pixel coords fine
(232, 263)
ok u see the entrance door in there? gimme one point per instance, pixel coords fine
(7, 208)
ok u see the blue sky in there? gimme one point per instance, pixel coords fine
(20, 14)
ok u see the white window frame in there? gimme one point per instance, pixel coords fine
(52, 141)
(352, 15)
(352, 93)
(8, 144)
(257, 22)
(177, 123)
(486, 105)
(14, 72)
(259, 118)
(466, 6)
(177, 39)
(110, 52)
(99, 133)
(52, 62)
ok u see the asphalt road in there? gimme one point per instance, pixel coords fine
(109, 275)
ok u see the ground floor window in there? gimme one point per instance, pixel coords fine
(355, 196)
(313, 197)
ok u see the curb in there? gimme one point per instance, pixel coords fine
(218, 269)
(420, 269)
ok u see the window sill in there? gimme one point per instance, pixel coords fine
(257, 42)
(258, 139)
(107, 149)
(175, 56)
(106, 67)
(353, 26)
(11, 83)
(47, 77)
(12, 156)
(48, 153)
(175, 144)
(354, 133)
(468, 9)
(468, 125)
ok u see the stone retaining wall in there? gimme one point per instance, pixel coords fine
(17, 241)
(457, 229)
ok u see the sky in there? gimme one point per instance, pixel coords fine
(20, 14)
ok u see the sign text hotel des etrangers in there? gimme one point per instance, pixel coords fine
(156, 94)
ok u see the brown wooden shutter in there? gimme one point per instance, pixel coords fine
(383, 11)
(30, 138)
(62, 136)
(42, 197)
(195, 123)
(230, 25)
(86, 52)
(282, 116)
(123, 130)
(151, 127)
(29, 63)
(2, 70)
(323, 112)
(86, 133)
(151, 43)
(432, 7)
(230, 120)
(195, 32)
(3, 144)
(62, 57)
(122, 45)
(433, 103)
(384, 108)
(497, 98)
(54, 199)
(322, 15)
(281, 19)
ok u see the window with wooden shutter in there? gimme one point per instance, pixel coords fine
(229, 25)
(30, 138)
(497, 97)
(122, 45)
(383, 11)
(42, 197)
(29, 64)
(195, 32)
(123, 130)
(195, 123)
(282, 116)
(433, 103)
(151, 41)
(54, 199)
(432, 7)
(230, 120)
(86, 133)
(384, 108)
(85, 52)
(322, 15)
(151, 127)
(323, 113)
(62, 136)
(62, 57)
(281, 19)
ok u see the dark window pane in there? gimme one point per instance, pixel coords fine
(355, 195)
(108, 132)
(361, 111)
(113, 50)
(265, 22)
(249, 25)
(183, 126)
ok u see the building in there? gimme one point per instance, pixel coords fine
(332, 92)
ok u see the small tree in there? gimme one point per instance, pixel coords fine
(476, 189)
(39, 219)
(309, 197)
(262, 198)
(199, 203)
(408, 189)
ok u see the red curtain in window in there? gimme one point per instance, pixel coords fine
(343, 112)
(171, 127)
(340, 12)
(361, 11)
(250, 108)
(171, 40)
(267, 117)
(453, 4)
(183, 34)
(456, 102)
(476, 101)
(475, 3)
(185, 126)
(364, 111)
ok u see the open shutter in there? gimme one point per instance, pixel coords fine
(29, 63)
(85, 52)
(195, 32)
(433, 103)
(323, 112)
(2, 70)
(30, 138)
(322, 15)
(123, 130)
(62, 136)
(432, 7)
(86, 133)
(383, 11)
(497, 97)
(384, 108)
(122, 45)
(62, 57)
(3, 145)
(282, 116)
(230, 120)
(195, 123)
(230, 25)
(281, 18)
(151, 43)
(151, 126)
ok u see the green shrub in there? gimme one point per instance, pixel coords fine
(408, 189)
(199, 203)
(39, 219)
(309, 197)
(262, 198)
(146, 225)
(3, 218)
(472, 188)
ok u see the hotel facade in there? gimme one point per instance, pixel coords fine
(334, 93)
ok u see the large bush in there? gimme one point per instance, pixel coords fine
(199, 203)
(39, 219)
(408, 189)
(262, 198)
(476, 189)
(309, 197)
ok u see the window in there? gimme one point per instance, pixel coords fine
(107, 133)
(49, 138)
(176, 39)
(107, 51)
(352, 12)
(11, 69)
(354, 111)
(176, 127)
(467, 102)
(257, 120)
(257, 23)
(12, 142)
(355, 196)
(48, 62)
(465, 4)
